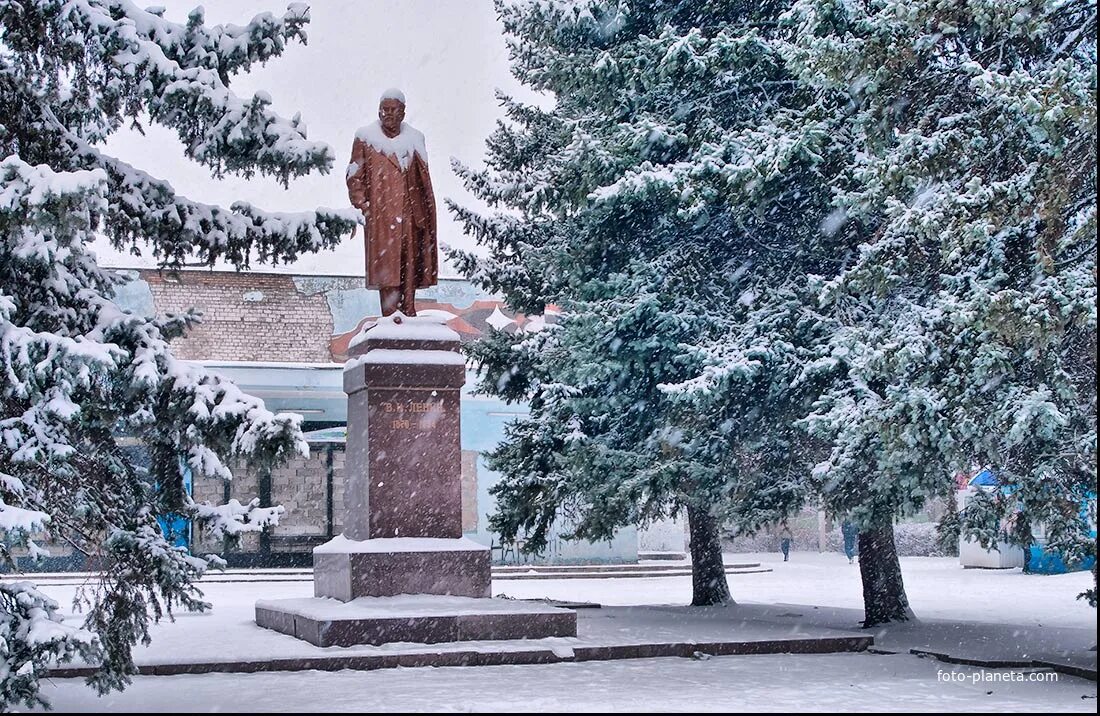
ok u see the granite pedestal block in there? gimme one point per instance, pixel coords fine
(345, 569)
(420, 619)
(404, 455)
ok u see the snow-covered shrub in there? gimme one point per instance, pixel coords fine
(917, 539)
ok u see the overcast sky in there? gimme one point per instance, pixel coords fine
(448, 56)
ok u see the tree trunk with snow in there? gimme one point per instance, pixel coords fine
(884, 597)
(708, 573)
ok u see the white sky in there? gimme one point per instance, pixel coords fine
(448, 56)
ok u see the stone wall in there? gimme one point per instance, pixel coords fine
(244, 486)
(338, 472)
(301, 487)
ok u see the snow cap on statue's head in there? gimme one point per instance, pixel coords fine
(392, 93)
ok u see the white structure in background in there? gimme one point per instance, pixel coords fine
(971, 554)
(667, 535)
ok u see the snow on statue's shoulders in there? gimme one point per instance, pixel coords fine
(409, 141)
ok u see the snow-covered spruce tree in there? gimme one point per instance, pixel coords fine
(653, 206)
(76, 373)
(965, 331)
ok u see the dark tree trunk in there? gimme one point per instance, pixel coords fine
(884, 597)
(948, 529)
(708, 573)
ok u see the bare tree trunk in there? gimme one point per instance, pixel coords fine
(708, 573)
(884, 597)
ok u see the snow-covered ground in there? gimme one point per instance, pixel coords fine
(938, 588)
(940, 591)
(832, 682)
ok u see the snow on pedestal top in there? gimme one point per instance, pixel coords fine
(401, 356)
(431, 326)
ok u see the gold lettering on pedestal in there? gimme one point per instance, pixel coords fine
(401, 411)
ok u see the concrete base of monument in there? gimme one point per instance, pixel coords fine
(347, 569)
(416, 618)
(407, 589)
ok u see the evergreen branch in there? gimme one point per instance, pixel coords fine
(178, 75)
(142, 208)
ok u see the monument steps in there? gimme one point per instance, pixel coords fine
(607, 633)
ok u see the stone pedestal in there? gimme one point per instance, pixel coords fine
(385, 567)
(403, 500)
(404, 457)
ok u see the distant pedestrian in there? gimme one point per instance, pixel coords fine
(850, 534)
(785, 542)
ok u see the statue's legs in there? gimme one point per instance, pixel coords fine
(390, 297)
(408, 294)
(407, 300)
(398, 298)
(402, 298)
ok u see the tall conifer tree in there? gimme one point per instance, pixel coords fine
(663, 204)
(964, 331)
(76, 372)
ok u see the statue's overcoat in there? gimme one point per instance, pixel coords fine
(388, 181)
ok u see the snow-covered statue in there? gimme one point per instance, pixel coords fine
(388, 181)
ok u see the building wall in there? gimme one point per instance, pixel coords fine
(286, 318)
(338, 483)
(246, 316)
(244, 486)
(301, 486)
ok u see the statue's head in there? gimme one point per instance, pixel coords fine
(391, 111)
